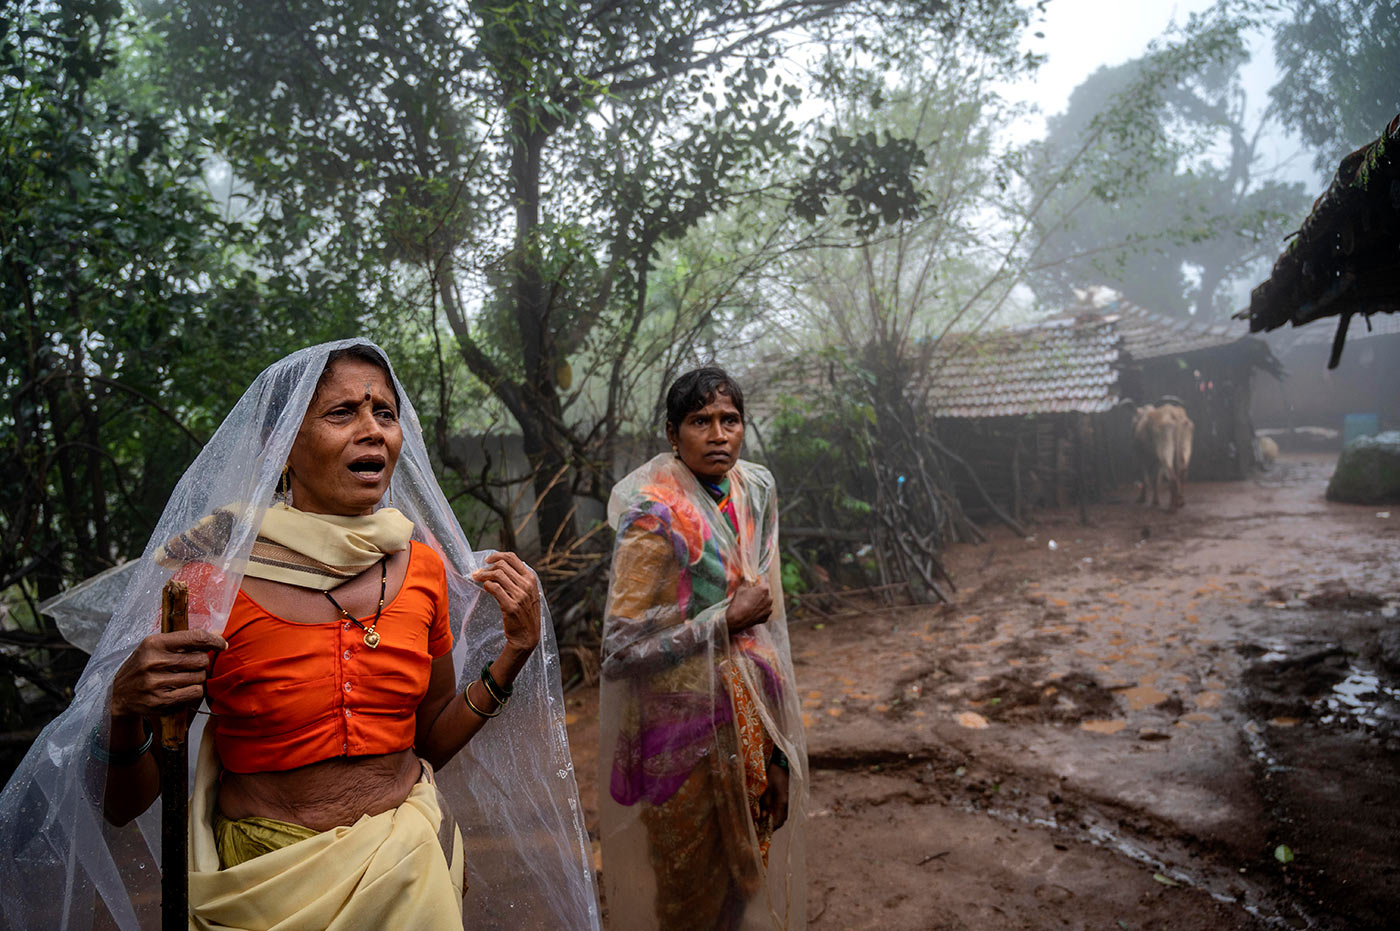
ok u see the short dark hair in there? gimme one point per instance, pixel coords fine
(360, 353)
(699, 387)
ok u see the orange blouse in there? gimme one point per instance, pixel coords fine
(286, 693)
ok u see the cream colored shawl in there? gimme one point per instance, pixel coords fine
(317, 551)
(321, 551)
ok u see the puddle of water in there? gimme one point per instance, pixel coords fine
(1361, 697)
(1258, 746)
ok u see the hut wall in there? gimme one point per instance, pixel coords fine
(1116, 436)
(1042, 461)
(1001, 450)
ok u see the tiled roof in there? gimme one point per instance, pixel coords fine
(1055, 367)
(1343, 259)
(1071, 363)
(1147, 335)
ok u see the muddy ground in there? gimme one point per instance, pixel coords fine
(1130, 727)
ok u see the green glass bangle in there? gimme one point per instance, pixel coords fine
(499, 692)
(110, 757)
(779, 759)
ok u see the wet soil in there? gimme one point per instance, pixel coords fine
(1183, 720)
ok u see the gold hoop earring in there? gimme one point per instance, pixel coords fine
(284, 486)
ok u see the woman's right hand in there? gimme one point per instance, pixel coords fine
(164, 674)
(751, 604)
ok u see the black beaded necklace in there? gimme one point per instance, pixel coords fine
(371, 635)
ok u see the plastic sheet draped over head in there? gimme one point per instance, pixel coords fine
(672, 766)
(512, 788)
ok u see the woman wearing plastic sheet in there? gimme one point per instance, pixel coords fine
(348, 655)
(702, 755)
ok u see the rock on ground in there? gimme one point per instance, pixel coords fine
(1368, 471)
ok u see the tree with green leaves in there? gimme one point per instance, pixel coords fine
(518, 172)
(1181, 213)
(871, 307)
(1340, 64)
(130, 311)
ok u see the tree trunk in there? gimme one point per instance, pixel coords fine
(541, 425)
(1212, 276)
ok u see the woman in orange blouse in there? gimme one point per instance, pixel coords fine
(332, 683)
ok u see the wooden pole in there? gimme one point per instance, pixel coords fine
(174, 783)
(1016, 475)
(1081, 481)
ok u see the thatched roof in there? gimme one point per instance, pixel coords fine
(1345, 259)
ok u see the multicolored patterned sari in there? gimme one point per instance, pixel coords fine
(691, 715)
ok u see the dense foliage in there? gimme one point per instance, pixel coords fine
(522, 170)
(130, 317)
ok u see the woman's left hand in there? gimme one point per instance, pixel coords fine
(515, 588)
(775, 797)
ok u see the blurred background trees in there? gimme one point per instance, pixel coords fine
(1339, 63)
(1179, 211)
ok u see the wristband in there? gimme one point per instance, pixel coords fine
(110, 757)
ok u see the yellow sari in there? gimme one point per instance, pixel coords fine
(403, 868)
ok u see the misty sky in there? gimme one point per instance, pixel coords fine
(1084, 35)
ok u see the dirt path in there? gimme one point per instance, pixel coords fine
(1119, 731)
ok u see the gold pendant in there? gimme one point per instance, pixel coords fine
(371, 638)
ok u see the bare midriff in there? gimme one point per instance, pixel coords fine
(322, 795)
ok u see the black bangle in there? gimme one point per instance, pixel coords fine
(779, 759)
(499, 692)
(110, 757)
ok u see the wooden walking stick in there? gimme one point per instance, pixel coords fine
(174, 783)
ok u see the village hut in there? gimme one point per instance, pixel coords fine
(1043, 414)
(1040, 416)
(1345, 259)
(1210, 369)
(1036, 412)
